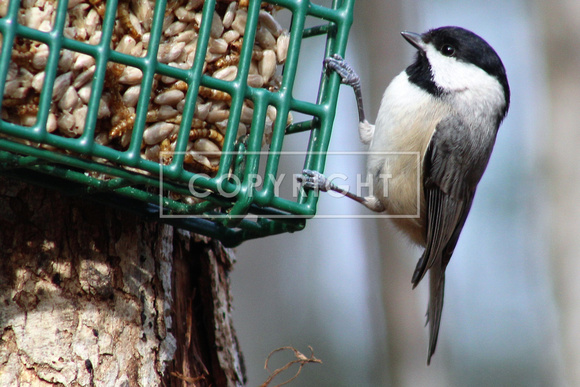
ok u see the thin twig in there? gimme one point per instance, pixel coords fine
(300, 359)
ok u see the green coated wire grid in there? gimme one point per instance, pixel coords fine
(153, 189)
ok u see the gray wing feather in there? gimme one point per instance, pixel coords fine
(452, 167)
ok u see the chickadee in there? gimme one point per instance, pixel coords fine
(447, 106)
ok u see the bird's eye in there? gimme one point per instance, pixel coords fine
(448, 50)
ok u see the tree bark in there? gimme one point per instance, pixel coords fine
(93, 296)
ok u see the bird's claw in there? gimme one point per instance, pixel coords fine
(340, 66)
(314, 180)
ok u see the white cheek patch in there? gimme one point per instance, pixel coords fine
(453, 75)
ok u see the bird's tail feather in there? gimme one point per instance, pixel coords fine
(437, 289)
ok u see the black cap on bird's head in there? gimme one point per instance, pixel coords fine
(458, 43)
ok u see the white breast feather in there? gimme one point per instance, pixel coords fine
(405, 123)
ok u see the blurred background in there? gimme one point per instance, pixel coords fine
(512, 302)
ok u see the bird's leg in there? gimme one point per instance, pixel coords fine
(318, 182)
(349, 77)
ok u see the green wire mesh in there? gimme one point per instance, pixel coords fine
(232, 208)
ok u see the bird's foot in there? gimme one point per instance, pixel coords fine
(314, 180)
(340, 66)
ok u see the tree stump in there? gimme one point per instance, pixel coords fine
(95, 296)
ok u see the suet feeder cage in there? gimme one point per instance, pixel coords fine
(167, 108)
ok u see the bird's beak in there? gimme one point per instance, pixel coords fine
(415, 39)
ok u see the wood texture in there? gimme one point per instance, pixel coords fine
(93, 296)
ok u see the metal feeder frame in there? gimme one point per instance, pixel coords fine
(251, 213)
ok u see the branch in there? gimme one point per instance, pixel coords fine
(300, 359)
